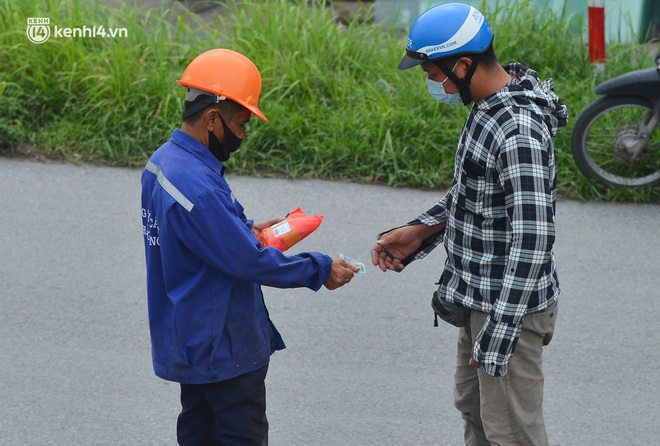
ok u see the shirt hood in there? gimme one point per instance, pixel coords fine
(528, 91)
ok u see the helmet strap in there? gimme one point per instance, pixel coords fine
(463, 85)
(196, 108)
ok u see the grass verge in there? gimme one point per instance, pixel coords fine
(339, 108)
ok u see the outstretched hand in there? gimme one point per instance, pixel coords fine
(394, 246)
(341, 272)
(387, 256)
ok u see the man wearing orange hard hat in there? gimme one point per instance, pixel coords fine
(210, 329)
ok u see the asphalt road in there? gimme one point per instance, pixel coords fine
(364, 364)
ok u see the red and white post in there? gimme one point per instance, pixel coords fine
(597, 32)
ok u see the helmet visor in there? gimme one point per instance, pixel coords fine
(412, 59)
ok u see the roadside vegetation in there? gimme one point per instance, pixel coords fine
(338, 107)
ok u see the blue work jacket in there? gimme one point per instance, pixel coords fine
(205, 268)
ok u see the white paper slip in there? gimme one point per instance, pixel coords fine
(354, 263)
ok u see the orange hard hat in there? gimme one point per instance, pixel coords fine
(226, 73)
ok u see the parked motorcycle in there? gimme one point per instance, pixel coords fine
(615, 138)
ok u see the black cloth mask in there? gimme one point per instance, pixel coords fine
(222, 149)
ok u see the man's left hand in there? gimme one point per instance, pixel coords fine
(474, 363)
(258, 227)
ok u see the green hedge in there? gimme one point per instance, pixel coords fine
(338, 107)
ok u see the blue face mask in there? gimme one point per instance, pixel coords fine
(437, 90)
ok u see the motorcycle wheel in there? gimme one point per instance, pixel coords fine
(602, 137)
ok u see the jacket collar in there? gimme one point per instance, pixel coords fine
(197, 149)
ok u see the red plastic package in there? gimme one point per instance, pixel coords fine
(295, 227)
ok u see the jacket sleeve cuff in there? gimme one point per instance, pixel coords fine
(323, 264)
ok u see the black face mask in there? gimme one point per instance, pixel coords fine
(222, 149)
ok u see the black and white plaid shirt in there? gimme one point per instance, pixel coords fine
(500, 213)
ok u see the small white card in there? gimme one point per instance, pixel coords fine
(354, 263)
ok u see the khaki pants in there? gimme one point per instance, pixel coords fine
(508, 410)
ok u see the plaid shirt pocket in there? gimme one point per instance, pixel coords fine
(472, 185)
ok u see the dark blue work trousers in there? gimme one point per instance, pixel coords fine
(225, 413)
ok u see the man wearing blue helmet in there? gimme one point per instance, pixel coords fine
(497, 224)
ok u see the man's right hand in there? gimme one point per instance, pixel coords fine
(341, 272)
(394, 246)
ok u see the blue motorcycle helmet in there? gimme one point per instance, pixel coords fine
(444, 31)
